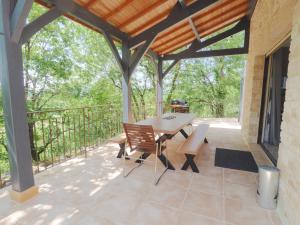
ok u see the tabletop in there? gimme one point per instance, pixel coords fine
(169, 123)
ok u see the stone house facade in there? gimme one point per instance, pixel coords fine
(273, 22)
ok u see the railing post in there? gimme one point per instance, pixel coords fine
(84, 139)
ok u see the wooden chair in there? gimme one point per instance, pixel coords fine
(141, 138)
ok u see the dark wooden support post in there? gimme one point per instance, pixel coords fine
(159, 89)
(126, 86)
(13, 16)
(39, 23)
(127, 63)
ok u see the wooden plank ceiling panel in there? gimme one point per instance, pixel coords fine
(217, 17)
(135, 16)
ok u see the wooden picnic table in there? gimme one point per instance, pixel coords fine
(169, 124)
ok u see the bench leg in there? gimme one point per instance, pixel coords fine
(122, 151)
(190, 162)
(184, 134)
(205, 141)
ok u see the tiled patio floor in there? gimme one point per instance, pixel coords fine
(93, 191)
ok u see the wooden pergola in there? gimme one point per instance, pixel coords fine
(163, 29)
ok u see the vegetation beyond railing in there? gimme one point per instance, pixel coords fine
(58, 135)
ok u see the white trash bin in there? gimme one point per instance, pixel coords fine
(268, 182)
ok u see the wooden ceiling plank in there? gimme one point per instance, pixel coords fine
(174, 41)
(214, 9)
(170, 31)
(118, 9)
(166, 39)
(141, 13)
(225, 20)
(179, 42)
(154, 20)
(222, 25)
(241, 6)
(176, 47)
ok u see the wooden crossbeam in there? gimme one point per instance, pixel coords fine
(192, 51)
(89, 3)
(252, 5)
(18, 18)
(36, 25)
(176, 15)
(80, 13)
(191, 22)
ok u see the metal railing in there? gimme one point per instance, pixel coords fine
(58, 135)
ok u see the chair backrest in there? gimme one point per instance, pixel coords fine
(140, 137)
(181, 109)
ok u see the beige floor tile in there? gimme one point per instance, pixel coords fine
(7, 206)
(275, 218)
(150, 213)
(167, 195)
(178, 178)
(188, 218)
(204, 204)
(239, 213)
(208, 184)
(211, 171)
(242, 192)
(93, 190)
(240, 177)
(117, 208)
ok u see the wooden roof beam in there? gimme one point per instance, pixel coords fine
(177, 15)
(73, 9)
(243, 25)
(89, 3)
(193, 27)
(252, 5)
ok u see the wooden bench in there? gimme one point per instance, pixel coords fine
(192, 145)
(121, 141)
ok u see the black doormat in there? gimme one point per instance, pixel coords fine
(235, 159)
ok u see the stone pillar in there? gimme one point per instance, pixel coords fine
(289, 149)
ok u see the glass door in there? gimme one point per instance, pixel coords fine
(274, 94)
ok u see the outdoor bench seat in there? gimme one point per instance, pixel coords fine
(121, 141)
(191, 146)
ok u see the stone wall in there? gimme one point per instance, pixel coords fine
(270, 24)
(289, 149)
(272, 21)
